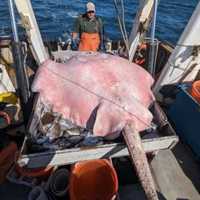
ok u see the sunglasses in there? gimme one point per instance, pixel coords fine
(90, 12)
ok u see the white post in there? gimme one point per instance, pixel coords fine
(183, 65)
(29, 22)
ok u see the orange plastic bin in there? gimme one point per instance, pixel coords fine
(195, 91)
(93, 180)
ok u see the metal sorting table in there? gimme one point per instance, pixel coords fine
(166, 140)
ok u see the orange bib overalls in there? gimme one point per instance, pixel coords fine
(89, 42)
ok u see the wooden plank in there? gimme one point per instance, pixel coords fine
(70, 156)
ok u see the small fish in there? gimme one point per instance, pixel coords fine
(47, 118)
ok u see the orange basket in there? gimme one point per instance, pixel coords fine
(195, 91)
(95, 179)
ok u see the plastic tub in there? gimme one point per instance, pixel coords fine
(95, 179)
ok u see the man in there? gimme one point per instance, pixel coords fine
(89, 28)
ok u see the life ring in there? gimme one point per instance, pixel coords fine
(139, 58)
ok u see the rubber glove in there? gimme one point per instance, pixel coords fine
(74, 44)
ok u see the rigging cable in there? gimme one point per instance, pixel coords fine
(121, 25)
(123, 20)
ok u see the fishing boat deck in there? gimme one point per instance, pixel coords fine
(176, 174)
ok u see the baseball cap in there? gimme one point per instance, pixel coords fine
(90, 7)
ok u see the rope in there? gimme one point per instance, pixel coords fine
(123, 20)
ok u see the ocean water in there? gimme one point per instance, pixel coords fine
(56, 17)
